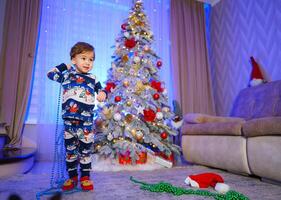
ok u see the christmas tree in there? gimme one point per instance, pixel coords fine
(136, 117)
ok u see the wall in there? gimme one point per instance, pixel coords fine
(240, 29)
(2, 14)
(42, 137)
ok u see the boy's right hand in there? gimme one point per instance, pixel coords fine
(68, 66)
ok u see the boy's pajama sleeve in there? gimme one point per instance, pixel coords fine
(98, 88)
(57, 75)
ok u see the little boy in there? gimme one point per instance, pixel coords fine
(79, 87)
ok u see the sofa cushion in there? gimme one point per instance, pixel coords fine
(264, 156)
(260, 101)
(262, 126)
(224, 152)
(215, 128)
(197, 118)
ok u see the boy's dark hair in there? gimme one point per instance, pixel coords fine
(80, 47)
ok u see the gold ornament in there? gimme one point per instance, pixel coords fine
(140, 87)
(107, 112)
(139, 135)
(134, 19)
(98, 123)
(129, 103)
(139, 23)
(166, 109)
(98, 147)
(136, 67)
(125, 58)
(133, 132)
(126, 83)
(120, 69)
(129, 118)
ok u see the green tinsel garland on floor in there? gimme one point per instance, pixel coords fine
(178, 191)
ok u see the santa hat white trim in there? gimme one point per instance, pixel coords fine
(191, 182)
(222, 188)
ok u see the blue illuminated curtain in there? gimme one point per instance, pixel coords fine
(97, 22)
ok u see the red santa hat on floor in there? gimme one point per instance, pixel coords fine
(256, 74)
(206, 180)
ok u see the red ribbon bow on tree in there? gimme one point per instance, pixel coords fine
(157, 86)
(149, 115)
(109, 86)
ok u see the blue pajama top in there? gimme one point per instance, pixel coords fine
(78, 100)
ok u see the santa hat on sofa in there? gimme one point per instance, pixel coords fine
(256, 74)
(206, 180)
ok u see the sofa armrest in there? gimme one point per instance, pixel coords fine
(199, 118)
(214, 128)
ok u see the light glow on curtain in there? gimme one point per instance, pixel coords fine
(97, 22)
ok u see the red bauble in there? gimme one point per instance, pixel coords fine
(130, 43)
(156, 96)
(124, 26)
(164, 135)
(159, 63)
(117, 98)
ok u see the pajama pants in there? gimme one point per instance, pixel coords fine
(78, 139)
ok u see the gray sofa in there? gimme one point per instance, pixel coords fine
(246, 142)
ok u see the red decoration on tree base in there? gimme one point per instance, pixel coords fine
(142, 158)
(125, 159)
(169, 158)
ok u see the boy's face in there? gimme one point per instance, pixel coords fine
(83, 61)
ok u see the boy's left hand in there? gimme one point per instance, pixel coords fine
(101, 96)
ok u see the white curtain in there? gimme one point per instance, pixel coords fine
(97, 22)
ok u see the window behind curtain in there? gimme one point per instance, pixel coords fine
(97, 22)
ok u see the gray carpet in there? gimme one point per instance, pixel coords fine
(117, 186)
